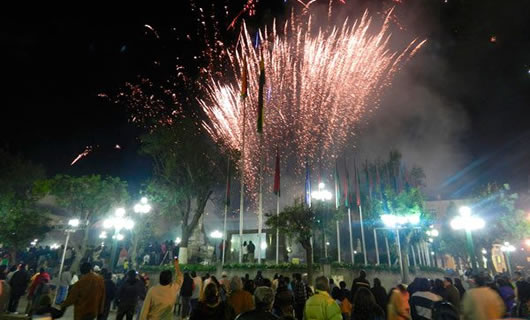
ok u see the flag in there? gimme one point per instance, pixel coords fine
(244, 81)
(367, 181)
(357, 186)
(227, 198)
(346, 187)
(307, 185)
(277, 175)
(260, 94)
(337, 187)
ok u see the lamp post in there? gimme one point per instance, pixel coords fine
(398, 222)
(72, 227)
(468, 222)
(323, 195)
(433, 234)
(117, 222)
(507, 248)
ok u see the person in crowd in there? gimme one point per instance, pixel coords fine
(251, 248)
(263, 299)
(321, 306)
(220, 288)
(110, 293)
(239, 300)
(344, 304)
(160, 299)
(144, 278)
(128, 295)
(301, 295)
(258, 280)
(422, 301)
(380, 294)
(87, 295)
(225, 282)
(275, 282)
(11, 272)
(64, 284)
(345, 292)
(439, 289)
(453, 295)
(40, 285)
(522, 308)
(359, 282)
(19, 282)
(211, 307)
(398, 305)
(365, 307)
(249, 286)
(185, 295)
(5, 291)
(284, 301)
(332, 284)
(481, 302)
(197, 288)
(507, 294)
(460, 287)
(44, 307)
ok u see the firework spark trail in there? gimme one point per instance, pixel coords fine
(320, 86)
(85, 153)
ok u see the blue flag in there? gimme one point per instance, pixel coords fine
(307, 185)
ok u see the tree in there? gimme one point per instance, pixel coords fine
(496, 204)
(21, 219)
(297, 221)
(87, 198)
(187, 167)
(453, 242)
(399, 193)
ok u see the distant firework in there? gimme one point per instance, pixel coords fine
(318, 86)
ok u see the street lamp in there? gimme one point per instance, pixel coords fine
(507, 248)
(468, 222)
(396, 222)
(322, 195)
(216, 234)
(72, 226)
(143, 206)
(118, 222)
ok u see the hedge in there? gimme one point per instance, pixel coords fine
(183, 267)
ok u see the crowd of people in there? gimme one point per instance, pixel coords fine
(95, 292)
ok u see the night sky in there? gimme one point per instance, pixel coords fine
(54, 68)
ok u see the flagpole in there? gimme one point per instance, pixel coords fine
(226, 211)
(277, 230)
(387, 250)
(362, 234)
(260, 204)
(351, 237)
(337, 205)
(338, 241)
(242, 191)
(376, 247)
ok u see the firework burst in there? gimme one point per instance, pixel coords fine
(319, 85)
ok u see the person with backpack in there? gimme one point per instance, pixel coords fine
(422, 301)
(359, 282)
(185, 295)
